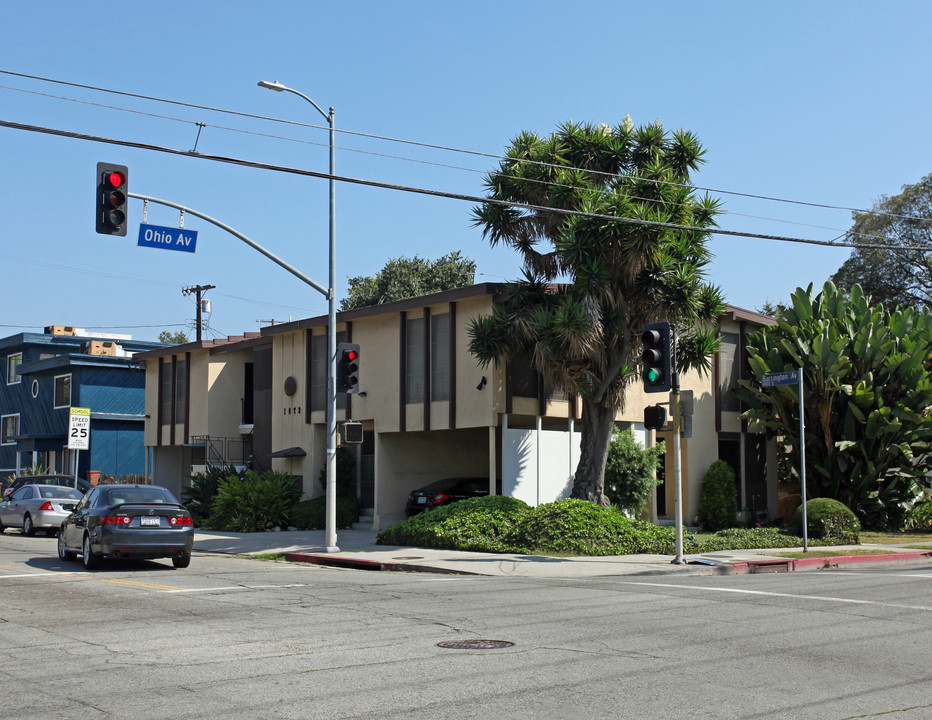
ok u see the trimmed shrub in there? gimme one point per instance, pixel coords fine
(718, 497)
(748, 539)
(631, 472)
(829, 519)
(580, 527)
(255, 502)
(475, 524)
(312, 514)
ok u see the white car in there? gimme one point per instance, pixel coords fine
(33, 507)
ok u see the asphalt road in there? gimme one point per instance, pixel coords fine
(234, 638)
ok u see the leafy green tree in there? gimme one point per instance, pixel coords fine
(175, 338)
(584, 335)
(631, 472)
(867, 391)
(403, 278)
(897, 274)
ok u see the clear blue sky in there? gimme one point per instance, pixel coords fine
(817, 102)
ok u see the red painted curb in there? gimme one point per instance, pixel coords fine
(790, 565)
(837, 560)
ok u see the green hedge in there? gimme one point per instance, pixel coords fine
(566, 527)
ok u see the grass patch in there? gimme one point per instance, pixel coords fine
(266, 556)
(895, 538)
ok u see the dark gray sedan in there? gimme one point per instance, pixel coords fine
(38, 507)
(127, 521)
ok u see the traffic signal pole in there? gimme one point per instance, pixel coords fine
(677, 460)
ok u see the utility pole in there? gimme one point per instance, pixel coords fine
(197, 289)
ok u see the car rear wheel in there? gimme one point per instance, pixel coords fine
(181, 562)
(63, 552)
(91, 559)
(28, 528)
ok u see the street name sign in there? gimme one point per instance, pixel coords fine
(79, 429)
(791, 377)
(167, 238)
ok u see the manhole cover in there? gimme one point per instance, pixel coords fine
(475, 644)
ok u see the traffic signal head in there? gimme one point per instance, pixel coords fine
(112, 198)
(658, 370)
(348, 368)
(655, 417)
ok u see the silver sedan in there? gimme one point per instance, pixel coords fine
(33, 507)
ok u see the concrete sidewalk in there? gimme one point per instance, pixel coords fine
(358, 550)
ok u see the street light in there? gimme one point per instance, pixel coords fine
(330, 535)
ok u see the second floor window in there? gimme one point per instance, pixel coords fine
(730, 372)
(440, 357)
(62, 391)
(319, 372)
(12, 368)
(414, 360)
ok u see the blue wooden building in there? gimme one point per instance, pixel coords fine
(48, 373)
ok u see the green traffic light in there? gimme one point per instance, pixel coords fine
(651, 375)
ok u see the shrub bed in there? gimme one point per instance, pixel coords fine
(566, 527)
(475, 524)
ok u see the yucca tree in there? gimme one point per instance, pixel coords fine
(867, 393)
(584, 333)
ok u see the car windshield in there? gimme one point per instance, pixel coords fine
(60, 493)
(148, 495)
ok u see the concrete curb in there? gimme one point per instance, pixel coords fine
(363, 564)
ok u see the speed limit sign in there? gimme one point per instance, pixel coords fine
(79, 429)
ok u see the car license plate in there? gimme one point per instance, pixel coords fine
(149, 521)
(422, 500)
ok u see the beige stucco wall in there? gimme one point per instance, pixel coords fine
(225, 380)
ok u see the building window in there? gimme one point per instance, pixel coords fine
(12, 368)
(165, 393)
(181, 389)
(62, 391)
(524, 378)
(9, 429)
(319, 371)
(414, 360)
(729, 369)
(440, 357)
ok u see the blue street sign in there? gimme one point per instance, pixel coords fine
(167, 238)
(790, 377)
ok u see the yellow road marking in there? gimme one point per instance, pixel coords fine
(134, 583)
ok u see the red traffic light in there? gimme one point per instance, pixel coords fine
(351, 355)
(112, 196)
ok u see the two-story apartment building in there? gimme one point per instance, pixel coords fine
(428, 409)
(48, 373)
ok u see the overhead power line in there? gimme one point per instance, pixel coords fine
(412, 142)
(433, 193)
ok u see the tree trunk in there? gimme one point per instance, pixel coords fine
(596, 427)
